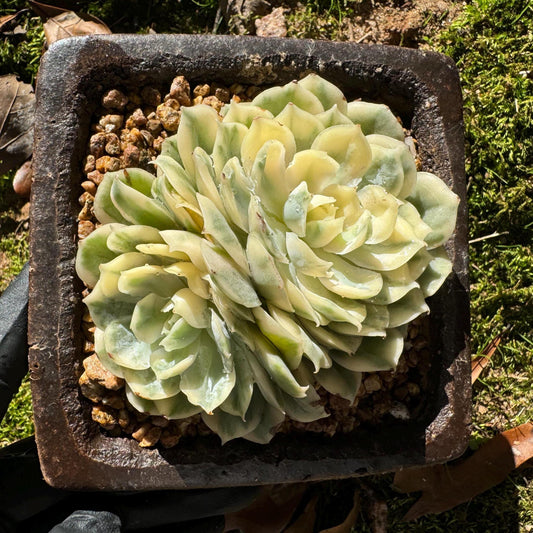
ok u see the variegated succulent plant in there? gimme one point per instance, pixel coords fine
(283, 244)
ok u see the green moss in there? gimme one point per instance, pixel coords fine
(18, 421)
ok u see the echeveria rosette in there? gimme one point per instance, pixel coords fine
(282, 245)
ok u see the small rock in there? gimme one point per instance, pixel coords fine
(107, 163)
(173, 103)
(97, 144)
(202, 90)
(114, 400)
(89, 186)
(111, 123)
(105, 416)
(160, 421)
(413, 389)
(90, 389)
(85, 228)
(180, 90)
(147, 137)
(114, 99)
(151, 96)
(154, 126)
(124, 418)
(96, 177)
(130, 156)
(84, 198)
(169, 439)
(222, 94)
(89, 164)
(147, 435)
(272, 25)
(138, 118)
(372, 383)
(96, 372)
(22, 180)
(214, 102)
(112, 146)
(170, 118)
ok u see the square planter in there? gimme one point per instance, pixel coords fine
(421, 87)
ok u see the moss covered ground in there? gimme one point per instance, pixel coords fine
(492, 44)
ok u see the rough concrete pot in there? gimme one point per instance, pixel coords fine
(421, 87)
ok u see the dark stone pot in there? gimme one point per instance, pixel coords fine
(421, 87)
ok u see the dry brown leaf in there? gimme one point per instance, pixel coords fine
(305, 522)
(481, 361)
(5, 20)
(350, 520)
(17, 115)
(69, 24)
(270, 512)
(46, 11)
(445, 486)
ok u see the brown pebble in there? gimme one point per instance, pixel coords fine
(96, 177)
(147, 138)
(160, 421)
(169, 439)
(214, 102)
(85, 228)
(151, 438)
(114, 400)
(202, 90)
(138, 118)
(170, 118)
(141, 431)
(173, 103)
(124, 418)
(181, 90)
(413, 389)
(107, 163)
(97, 372)
(89, 186)
(22, 180)
(112, 146)
(84, 198)
(151, 96)
(105, 416)
(198, 100)
(90, 389)
(130, 156)
(236, 88)
(89, 164)
(154, 126)
(372, 383)
(88, 347)
(111, 123)
(114, 99)
(222, 94)
(157, 144)
(97, 144)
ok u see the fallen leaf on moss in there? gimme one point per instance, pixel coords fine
(69, 24)
(270, 512)
(481, 361)
(446, 486)
(46, 11)
(17, 115)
